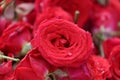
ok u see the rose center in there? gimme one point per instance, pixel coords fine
(60, 42)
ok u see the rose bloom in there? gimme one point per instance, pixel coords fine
(98, 67)
(14, 37)
(50, 13)
(109, 44)
(32, 67)
(63, 43)
(114, 59)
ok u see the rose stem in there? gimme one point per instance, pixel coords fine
(101, 50)
(9, 58)
(102, 30)
(77, 13)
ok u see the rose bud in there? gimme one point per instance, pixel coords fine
(63, 43)
(109, 44)
(84, 8)
(50, 13)
(32, 67)
(15, 36)
(99, 68)
(114, 59)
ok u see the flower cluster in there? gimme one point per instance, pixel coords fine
(59, 40)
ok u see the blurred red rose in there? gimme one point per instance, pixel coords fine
(63, 43)
(50, 13)
(32, 67)
(84, 7)
(99, 68)
(106, 17)
(114, 59)
(109, 44)
(14, 37)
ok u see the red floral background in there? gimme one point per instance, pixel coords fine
(59, 39)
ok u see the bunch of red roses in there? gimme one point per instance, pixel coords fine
(59, 40)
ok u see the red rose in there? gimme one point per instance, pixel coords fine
(14, 37)
(50, 13)
(109, 44)
(63, 43)
(32, 67)
(98, 67)
(84, 7)
(114, 59)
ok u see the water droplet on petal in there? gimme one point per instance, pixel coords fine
(70, 54)
(103, 72)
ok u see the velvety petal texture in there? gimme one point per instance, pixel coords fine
(32, 67)
(50, 13)
(84, 7)
(59, 41)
